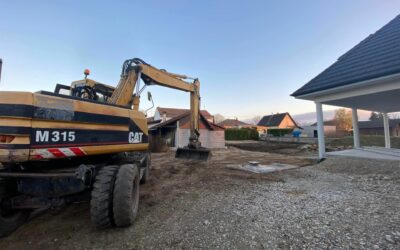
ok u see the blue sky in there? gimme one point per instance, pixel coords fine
(249, 55)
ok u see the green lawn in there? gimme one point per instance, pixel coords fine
(365, 140)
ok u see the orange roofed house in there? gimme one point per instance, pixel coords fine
(276, 121)
(172, 127)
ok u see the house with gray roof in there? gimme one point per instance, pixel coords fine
(375, 127)
(276, 121)
(367, 77)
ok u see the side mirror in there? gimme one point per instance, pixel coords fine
(150, 98)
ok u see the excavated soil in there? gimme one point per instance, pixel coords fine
(186, 205)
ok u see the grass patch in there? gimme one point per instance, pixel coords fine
(365, 140)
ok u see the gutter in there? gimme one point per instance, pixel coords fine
(365, 83)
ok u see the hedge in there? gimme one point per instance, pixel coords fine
(279, 131)
(241, 134)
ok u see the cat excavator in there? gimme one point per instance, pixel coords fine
(85, 141)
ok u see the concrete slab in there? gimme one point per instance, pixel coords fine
(368, 153)
(254, 167)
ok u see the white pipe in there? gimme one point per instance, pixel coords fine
(320, 129)
(356, 131)
(386, 130)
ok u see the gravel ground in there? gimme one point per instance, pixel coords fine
(339, 203)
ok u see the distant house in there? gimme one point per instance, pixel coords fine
(165, 114)
(311, 130)
(276, 121)
(375, 127)
(234, 123)
(172, 129)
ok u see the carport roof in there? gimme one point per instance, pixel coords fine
(376, 56)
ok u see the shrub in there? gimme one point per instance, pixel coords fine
(279, 131)
(241, 134)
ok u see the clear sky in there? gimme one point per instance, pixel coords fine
(249, 55)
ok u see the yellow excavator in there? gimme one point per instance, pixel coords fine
(84, 141)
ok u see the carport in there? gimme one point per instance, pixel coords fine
(367, 77)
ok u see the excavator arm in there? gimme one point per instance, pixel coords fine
(134, 70)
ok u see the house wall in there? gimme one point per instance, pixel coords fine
(329, 130)
(157, 115)
(208, 138)
(394, 131)
(310, 131)
(180, 137)
(161, 139)
(287, 123)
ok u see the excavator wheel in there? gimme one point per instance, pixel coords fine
(101, 203)
(10, 220)
(146, 169)
(126, 195)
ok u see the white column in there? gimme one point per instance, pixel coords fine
(356, 131)
(320, 129)
(386, 130)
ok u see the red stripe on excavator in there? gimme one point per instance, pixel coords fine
(78, 151)
(56, 152)
(80, 144)
(39, 154)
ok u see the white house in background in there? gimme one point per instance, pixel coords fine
(366, 77)
(312, 130)
(172, 129)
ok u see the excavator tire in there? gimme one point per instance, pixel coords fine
(101, 203)
(9, 220)
(126, 195)
(146, 174)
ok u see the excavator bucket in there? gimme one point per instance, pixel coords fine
(199, 154)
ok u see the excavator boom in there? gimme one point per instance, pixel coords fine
(134, 70)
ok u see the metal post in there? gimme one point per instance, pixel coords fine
(386, 130)
(320, 129)
(356, 131)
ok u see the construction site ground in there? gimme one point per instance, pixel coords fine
(339, 203)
